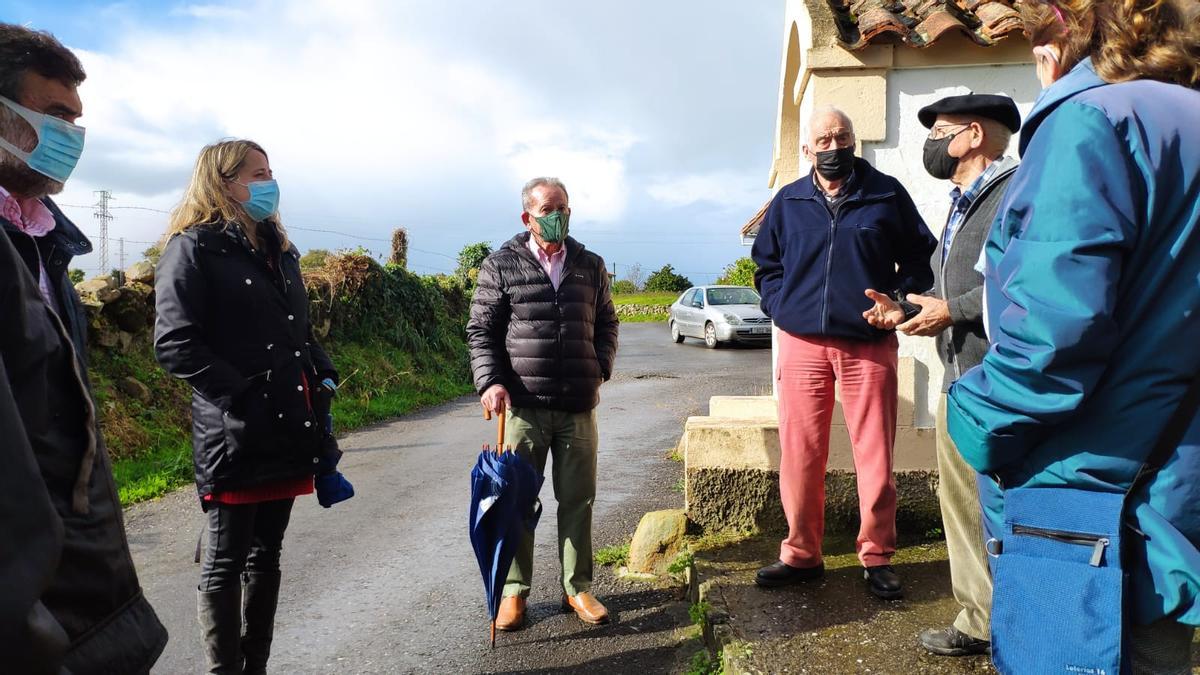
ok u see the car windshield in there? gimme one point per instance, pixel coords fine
(732, 296)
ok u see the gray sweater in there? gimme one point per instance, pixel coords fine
(963, 345)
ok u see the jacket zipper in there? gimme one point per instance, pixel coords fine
(1097, 542)
(833, 218)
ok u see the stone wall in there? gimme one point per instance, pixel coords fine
(120, 307)
(642, 310)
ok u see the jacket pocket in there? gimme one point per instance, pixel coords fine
(248, 425)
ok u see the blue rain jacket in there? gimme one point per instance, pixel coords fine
(1093, 294)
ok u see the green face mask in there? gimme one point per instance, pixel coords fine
(554, 226)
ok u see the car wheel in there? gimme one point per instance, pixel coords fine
(710, 336)
(675, 334)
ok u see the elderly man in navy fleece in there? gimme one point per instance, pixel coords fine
(840, 229)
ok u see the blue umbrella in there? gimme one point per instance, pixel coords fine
(504, 505)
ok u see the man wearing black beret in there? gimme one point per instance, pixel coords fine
(966, 144)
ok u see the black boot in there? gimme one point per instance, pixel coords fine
(220, 625)
(258, 627)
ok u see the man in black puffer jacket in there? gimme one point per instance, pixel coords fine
(543, 337)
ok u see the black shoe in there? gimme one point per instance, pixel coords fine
(883, 581)
(780, 573)
(953, 642)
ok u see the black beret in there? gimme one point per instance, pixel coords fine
(992, 106)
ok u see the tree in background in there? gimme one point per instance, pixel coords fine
(314, 259)
(76, 276)
(470, 259)
(152, 254)
(739, 273)
(634, 276)
(666, 280)
(399, 255)
(624, 287)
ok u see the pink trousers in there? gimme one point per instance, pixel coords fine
(804, 379)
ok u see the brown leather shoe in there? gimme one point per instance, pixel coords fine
(587, 608)
(512, 613)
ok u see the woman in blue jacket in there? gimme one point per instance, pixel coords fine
(1093, 294)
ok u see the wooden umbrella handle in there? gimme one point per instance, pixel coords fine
(487, 415)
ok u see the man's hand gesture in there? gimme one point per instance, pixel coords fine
(886, 314)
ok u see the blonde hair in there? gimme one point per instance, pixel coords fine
(205, 200)
(1126, 39)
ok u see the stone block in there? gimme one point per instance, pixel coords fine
(658, 539)
(134, 388)
(96, 284)
(140, 272)
(743, 407)
(731, 469)
(909, 391)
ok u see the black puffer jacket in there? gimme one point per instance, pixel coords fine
(69, 595)
(238, 333)
(550, 349)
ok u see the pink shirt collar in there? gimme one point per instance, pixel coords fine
(552, 263)
(29, 215)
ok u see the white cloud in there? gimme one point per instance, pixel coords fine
(589, 161)
(345, 96)
(725, 189)
(219, 12)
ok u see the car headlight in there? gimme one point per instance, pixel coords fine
(733, 319)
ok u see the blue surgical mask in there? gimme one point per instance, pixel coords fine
(59, 146)
(264, 199)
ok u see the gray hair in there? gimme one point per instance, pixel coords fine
(542, 181)
(825, 111)
(996, 136)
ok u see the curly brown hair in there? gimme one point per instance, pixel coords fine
(1126, 39)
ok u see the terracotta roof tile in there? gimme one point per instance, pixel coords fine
(920, 23)
(750, 229)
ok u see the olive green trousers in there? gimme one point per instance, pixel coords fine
(571, 439)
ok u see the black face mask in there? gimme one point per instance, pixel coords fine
(938, 161)
(835, 164)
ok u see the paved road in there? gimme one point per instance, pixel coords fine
(386, 583)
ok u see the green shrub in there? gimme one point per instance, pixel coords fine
(666, 280)
(739, 273)
(314, 259)
(624, 287)
(470, 259)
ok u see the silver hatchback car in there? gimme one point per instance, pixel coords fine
(719, 314)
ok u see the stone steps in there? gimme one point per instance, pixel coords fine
(731, 465)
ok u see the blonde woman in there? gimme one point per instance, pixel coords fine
(233, 323)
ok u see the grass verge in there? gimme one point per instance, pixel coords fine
(661, 299)
(150, 441)
(643, 307)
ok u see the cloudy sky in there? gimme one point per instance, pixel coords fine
(659, 116)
